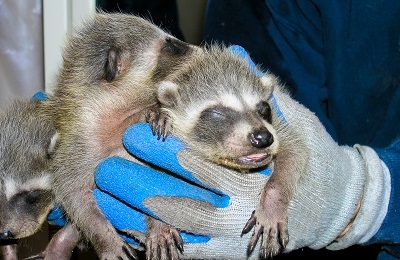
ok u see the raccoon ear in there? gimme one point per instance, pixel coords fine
(52, 143)
(114, 63)
(269, 81)
(168, 93)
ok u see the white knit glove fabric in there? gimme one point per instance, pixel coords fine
(335, 179)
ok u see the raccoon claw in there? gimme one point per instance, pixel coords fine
(159, 123)
(129, 252)
(126, 253)
(249, 224)
(255, 236)
(274, 243)
(274, 236)
(163, 243)
(253, 241)
(152, 118)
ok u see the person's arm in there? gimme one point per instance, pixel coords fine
(215, 202)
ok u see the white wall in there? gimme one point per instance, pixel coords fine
(59, 17)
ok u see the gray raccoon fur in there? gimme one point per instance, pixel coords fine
(224, 112)
(108, 78)
(27, 140)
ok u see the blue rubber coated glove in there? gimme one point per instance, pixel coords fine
(137, 176)
(56, 217)
(203, 198)
(39, 96)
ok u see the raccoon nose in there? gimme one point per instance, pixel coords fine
(261, 138)
(6, 235)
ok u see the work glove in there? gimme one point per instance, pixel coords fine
(201, 198)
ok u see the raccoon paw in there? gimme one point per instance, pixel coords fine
(159, 123)
(122, 252)
(163, 242)
(273, 230)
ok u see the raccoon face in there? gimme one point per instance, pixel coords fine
(239, 139)
(27, 143)
(24, 206)
(234, 128)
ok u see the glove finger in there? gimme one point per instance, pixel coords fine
(41, 96)
(130, 220)
(56, 217)
(120, 215)
(162, 154)
(230, 182)
(133, 183)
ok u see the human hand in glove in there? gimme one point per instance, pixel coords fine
(202, 198)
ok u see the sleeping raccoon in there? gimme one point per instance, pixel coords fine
(111, 67)
(27, 139)
(224, 112)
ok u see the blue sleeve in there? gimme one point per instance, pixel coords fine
(389, 231)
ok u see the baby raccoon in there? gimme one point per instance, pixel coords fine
(111, 67)
(224, 112)
(27, 139)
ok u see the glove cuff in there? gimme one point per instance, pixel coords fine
(374, 203)
(328, 199)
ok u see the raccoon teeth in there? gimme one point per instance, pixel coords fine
(256, 157)
(254, 160)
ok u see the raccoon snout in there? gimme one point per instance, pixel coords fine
(261, 138)
(6, 235)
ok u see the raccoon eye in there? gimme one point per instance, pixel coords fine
(32, 203)
(213, 114)
(32, 197)
(264, 110)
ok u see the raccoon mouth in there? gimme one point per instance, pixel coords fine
(254, 160)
